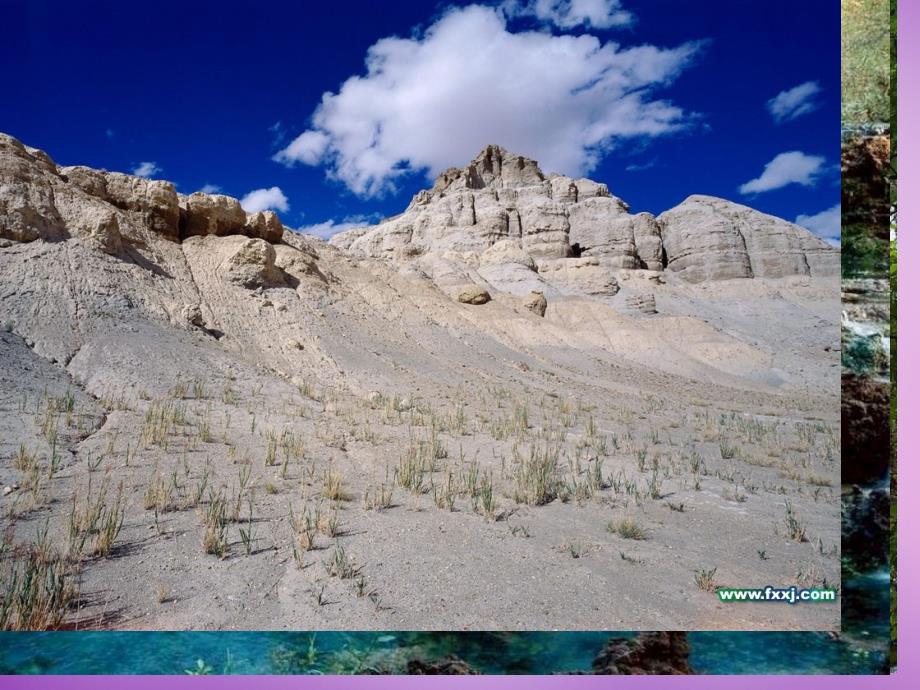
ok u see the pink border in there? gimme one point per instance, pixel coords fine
(908, 477)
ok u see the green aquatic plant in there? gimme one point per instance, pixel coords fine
(199, 669)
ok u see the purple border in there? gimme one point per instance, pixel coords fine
(908, 515)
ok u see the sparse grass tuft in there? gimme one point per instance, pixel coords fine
(38, 587)
(379, 497)
(214, 518)
(334, 486)
(340, 565)
(705, 579)
(795, 530)
(536, 476)
(627, 528)
(728, 452)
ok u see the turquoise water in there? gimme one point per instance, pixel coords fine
(861, 649)
(522, 653)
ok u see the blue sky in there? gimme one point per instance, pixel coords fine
(660, 99)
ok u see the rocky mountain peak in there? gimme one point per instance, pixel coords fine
(494, 167)
(502, 224)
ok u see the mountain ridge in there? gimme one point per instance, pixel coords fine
(502, 196)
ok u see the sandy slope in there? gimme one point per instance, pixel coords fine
(173, 380)
(367, 329)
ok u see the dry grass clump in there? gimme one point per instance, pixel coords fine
(379, 497)
(536, 475)
(305, 525)
(334, 486)
(419, 460)
(794, 528)
(628, 528)
(341, 566)
(705, 579)
(160, 419)
(214, 518)
(39, 586)
(95, 519)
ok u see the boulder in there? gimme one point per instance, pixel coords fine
(473, 294)
(253, 265)
(647, 237)
(702, 242)
(213, 214)
(598, 226)
(536, 302)
(190, 314)
(88, 180)
(264, 225)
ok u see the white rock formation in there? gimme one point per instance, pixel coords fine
(502, 222)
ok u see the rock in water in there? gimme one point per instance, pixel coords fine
(649, 653)
(448, 666)
(864, 527)
(865, 164)
(865, 411)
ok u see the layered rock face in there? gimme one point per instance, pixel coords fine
(706, 238)
(40, 200)
(502, 223)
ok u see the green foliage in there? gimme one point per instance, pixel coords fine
(865, 60)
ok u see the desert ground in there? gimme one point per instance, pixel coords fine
(199, 432)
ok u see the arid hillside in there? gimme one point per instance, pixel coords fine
(517, 405)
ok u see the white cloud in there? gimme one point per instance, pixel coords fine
(328, 228)
(147, 169)
(307, 148)
(210, 189)
(791, 167)
(434, 101)
(825, 224)
(795, 102)
(264, 199)
(567, 14)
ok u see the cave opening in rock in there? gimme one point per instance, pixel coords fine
(576, 250)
